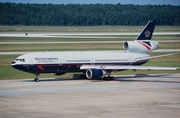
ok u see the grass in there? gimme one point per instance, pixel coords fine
(67, 29)
(169, 45)
(9, 73)
(58, 47)
(84, 29)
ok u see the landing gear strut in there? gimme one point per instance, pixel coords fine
(36, 79)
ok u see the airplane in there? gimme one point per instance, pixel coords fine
(94, 64)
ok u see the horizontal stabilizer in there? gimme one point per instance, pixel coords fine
(153, 57)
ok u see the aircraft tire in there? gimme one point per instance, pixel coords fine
(112, 78)
(36, 80)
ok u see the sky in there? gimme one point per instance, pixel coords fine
(140, 2)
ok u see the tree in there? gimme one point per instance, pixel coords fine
(87, 14)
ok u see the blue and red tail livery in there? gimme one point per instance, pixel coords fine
(146, 33)
(145, 44)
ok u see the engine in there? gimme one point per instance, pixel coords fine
(140, 46)
(57, 74)
(95, 73)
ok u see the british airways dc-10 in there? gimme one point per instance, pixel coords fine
(94, 64)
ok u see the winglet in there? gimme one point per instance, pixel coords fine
(147, 31)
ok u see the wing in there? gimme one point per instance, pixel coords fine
(119, 67)
(153, 57)
(114, 67)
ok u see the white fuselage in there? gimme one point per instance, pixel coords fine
(90, 57)
(71, 61)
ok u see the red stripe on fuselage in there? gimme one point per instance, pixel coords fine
(145, 45)
(40, 67)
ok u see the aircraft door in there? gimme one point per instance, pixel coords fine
(92, 61)
(61, 61)
(31, 62)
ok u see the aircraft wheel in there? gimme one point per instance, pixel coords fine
(36, 77)
(112, 78)
(108, 78)
(103, 78)
(36, 80)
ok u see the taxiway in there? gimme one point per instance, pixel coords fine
(127, 96)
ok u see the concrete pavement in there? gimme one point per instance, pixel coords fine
(139, 96)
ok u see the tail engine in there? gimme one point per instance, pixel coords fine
(140, 46)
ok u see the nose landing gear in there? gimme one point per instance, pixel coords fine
(36, 79)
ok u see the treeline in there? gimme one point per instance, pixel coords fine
(87, 14)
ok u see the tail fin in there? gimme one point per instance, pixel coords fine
(147, 32)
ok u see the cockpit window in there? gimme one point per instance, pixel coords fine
(22, 60)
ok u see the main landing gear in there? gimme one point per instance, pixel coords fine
(36, 79)
(108, 78)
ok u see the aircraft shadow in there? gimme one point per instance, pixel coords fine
(54, 79)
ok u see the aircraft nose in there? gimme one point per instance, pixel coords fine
(13, 64)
